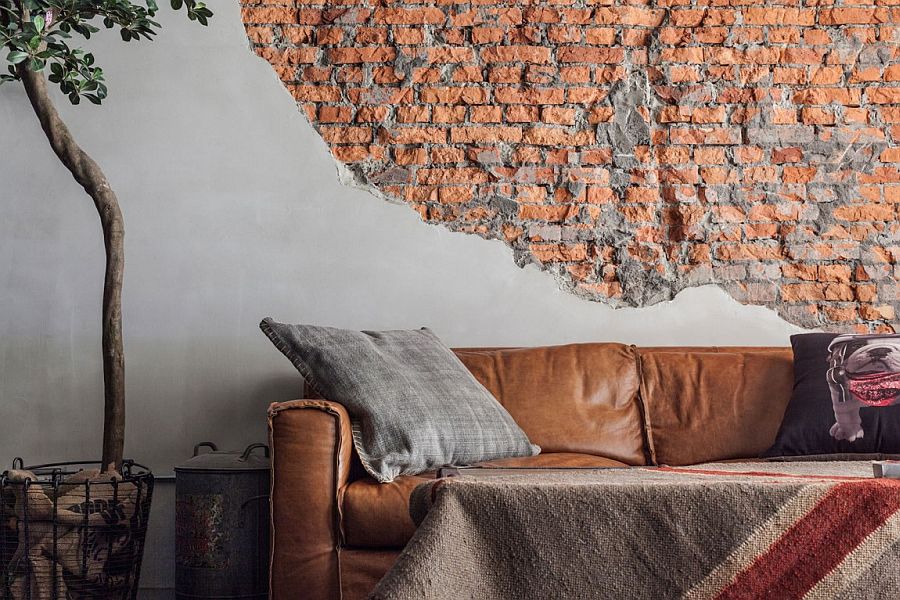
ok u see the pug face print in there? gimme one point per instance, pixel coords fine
(863, 373)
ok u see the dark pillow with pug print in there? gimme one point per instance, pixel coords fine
(846, 397)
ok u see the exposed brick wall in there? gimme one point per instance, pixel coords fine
(630, 149)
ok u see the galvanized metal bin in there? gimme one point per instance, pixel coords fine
(222, 524)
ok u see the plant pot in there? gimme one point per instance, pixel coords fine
(68, 532)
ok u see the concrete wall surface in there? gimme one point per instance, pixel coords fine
(234, 211)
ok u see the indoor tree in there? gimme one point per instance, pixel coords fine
(35, 37)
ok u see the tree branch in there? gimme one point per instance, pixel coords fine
(89, 175)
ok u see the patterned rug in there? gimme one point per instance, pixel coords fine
(724, 531)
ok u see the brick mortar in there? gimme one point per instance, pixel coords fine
(630, 150)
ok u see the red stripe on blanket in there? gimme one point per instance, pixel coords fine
(760, 474)
(818, 542)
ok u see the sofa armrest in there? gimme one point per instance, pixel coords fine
(311, 449)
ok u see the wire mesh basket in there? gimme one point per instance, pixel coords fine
(69, 532)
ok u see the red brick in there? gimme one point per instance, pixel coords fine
(335, 114)
(372, 35)
(865, 212)
(408, 16)
(550, 136)
(627, 15)
(558, 115)
(371, 114)
(817, 116)
(260, 35)
(409, 35)
(361, 55)
(600, 36)
(487, 35)
(468, 175)
(849, 16)
(530, 54)
(565, 34)
(269, 14)
(467, 74)
(740, 252)
(410, 156)
(453, 95)
(802, 292)
(358, 153)
(346, 135)
(511, 95)
(485, 134)
(774, 15)
(849, 97)
(315, 93)
(448, 114)
(588, 54)
(883, 95)
(413, 114)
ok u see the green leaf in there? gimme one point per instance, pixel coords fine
(33, 42)
(15, 57)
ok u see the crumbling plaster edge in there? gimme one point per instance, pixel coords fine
(351, 178)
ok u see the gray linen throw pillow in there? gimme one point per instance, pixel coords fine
(413, 405)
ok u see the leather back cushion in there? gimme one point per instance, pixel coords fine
(706, 404)
(576, 398)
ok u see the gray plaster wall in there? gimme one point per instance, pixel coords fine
(234, 211)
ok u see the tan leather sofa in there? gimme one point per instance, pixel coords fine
(336, 531)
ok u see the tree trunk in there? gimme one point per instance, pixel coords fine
(91, 177)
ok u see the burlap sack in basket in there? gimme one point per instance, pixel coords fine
(93, 559)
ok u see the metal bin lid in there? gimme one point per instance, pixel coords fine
(221, 460)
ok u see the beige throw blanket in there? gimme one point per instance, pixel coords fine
(763, 530)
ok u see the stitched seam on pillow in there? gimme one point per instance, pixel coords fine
(356, 434)
(298, 363)
(303, 368)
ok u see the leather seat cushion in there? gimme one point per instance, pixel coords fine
(579, 398)
(376, 515)
(714, 404)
